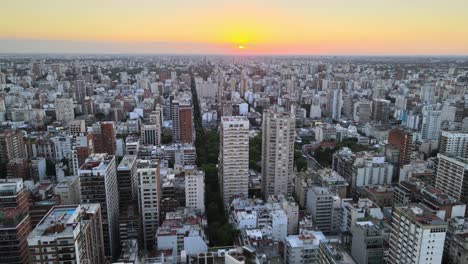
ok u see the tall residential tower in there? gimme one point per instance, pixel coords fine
(277, 152)
(234, 157)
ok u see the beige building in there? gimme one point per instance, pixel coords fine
(234, 157)
(68, 234)
(149, 196)
(277, 152)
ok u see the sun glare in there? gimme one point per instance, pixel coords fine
(241, 47)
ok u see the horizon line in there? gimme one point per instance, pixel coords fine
(240, 54)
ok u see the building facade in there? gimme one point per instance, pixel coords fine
(234, 157)
(277, 152)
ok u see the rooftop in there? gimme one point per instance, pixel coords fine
(97, 161)
(61, 221)
(127, 162)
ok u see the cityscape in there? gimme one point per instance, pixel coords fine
(247, 141)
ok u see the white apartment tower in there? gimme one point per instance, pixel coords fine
(234, 157)
(336, 102)
(417, 236)
(194, 188)
(451, 176)
(64, 110)
(98, 184)
(149, 196)
(454, 143)
(277, 152)
(431, 122)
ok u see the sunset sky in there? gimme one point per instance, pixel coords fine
(236, 27)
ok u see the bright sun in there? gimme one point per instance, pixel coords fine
(241, 47)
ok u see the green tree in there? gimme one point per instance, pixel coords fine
(255, 152)
(166, 138)
(50, 167)
(100, 116)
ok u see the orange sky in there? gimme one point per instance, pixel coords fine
(260, 26)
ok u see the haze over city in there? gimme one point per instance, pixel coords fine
(305, 27)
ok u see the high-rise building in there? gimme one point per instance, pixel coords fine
(79, 92)
(15, 222)
(63, 146)
(68, 234)
(64, 110)
(451, 176)
(417, 235)
(77, 127)
(278, 135)
(320, 206)
(454, 143)
(149, 197)
(83, 146)
(98, 184)
(335, 103)
(234, 157)
(362, 168)
(402, 140)
(431, 122)
(151, 135)
(123, 77)
(11, 145)
(367, 245)
(13, 194)
(380, 110)
(194, 188)
(156, 117)
(182, 121)
(362, 112)
(2, 81)
(14, 229)
(427, 94)
(127, 179)
(104, 137)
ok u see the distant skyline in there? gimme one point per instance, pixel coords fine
(300, 27)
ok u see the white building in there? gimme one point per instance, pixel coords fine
(64, 110)
(352, 211)
(149, 196)
(69, 190)
(431, 122)
(362, 168)
(194, 188)
(454, 143)
(291, 208)
(279, 225)
(234, 157)
(417, 236)
(325, 132)
(302, 248)
(63, 147)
